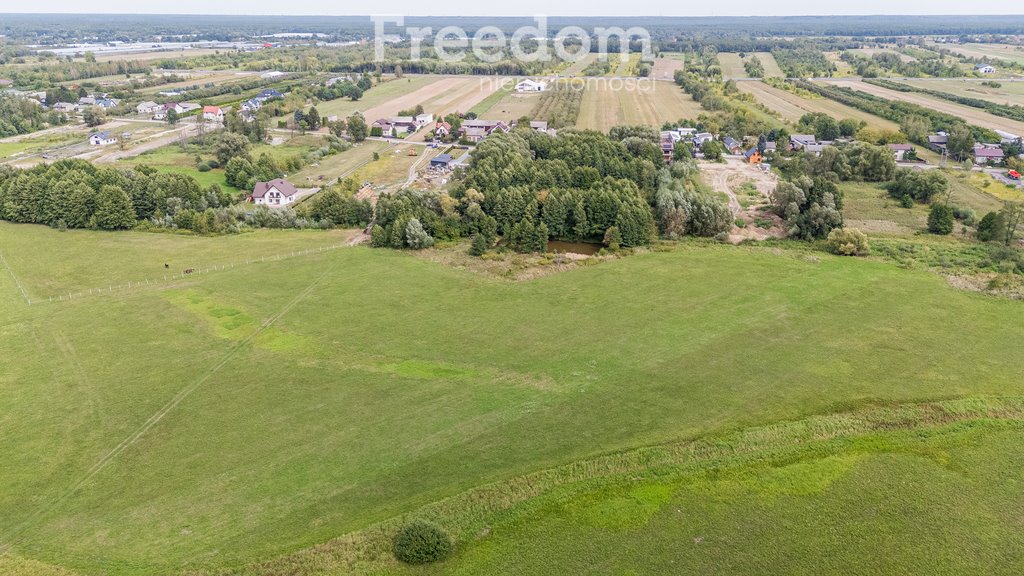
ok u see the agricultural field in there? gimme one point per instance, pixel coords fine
(733, 65)
(379, 95)
(1010, 92)
(869, 52)
(576, 68)
(792, 107)
(345, 375)
(843, 68)
(606, 104)
(666, 65)
(998, 51)
(969, 114)
(508, 105)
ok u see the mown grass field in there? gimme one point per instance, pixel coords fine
(1009, 93)
(376, 96)
(733, 65)
(652, 103)
(999, 51)
(248, 413)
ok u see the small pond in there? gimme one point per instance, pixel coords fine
(585, 248)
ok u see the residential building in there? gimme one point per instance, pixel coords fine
(101, 139)
(477, 130)
(985, 69)
(899, 151)
(988, 153)
(801, 141)
(147, 107)
(213, 113)
(277, 192)
(753, 156)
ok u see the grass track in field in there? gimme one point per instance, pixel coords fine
(654, 103)
(792, 106)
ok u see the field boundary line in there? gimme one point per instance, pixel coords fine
(153, 420)
(16, 281)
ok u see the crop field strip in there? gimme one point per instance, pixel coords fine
(1010, 92)
(970, 115)
(792, 106)
(652, 104)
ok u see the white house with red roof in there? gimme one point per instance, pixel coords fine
(277, 192)
(213, 114)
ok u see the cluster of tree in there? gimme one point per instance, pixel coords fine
(922, 186)
(1001, 226)
(754, 67)
(528, 187)
(1012, 111)
(827, 128)
(811, 207)
(77, 194)
(243, 172)
(882, 62)
(21, 116)
(344, 89)
(307, 120)
(559, 106)
(339, 209)
(45, 75)
(806, 61)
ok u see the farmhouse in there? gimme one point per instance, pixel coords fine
(65, 107)
(753, 156)
(538, 125)
(985, 69)
(101, 139)
(899, 151)
(477, 130)
(938, 141)
(213, 113)
(988, 153)
(277, 192)
(531, 86)
(442, 129)
(668, 148)
(732, 145)
(269, 94)
(801, 141)
(147, 107)
(702, 138)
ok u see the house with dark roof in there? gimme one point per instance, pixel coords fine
(800, 141)
(732, 145)
(442, 161)
(477, 130)
(988, 154)
(277, 192)
(753, 156)
(938, 141)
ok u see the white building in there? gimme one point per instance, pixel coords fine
(101, 139)
(531, 86)
(274, 193)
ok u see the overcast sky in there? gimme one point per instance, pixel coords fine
(523, 7)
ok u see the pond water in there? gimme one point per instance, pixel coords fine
(585, 248)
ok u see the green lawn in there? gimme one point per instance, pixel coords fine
(379, 94)
(253, 412)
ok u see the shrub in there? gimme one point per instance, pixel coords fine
(422, 542)
(204, 167)
(480, 245)
(416, 237)
(613, 239)
(940, 219)
(847, 242)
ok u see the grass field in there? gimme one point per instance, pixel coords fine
(606, 104)
(666, 66)
(377, 96)
(971, 115)
(1009, 93)
(507, 105)
(257, 411)
(792, 107)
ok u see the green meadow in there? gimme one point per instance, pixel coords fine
(232, 421)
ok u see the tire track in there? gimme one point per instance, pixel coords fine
(157, 416)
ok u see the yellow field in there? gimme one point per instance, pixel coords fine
(512, 106)
(666, 66)
(792, 107)
(652, 103)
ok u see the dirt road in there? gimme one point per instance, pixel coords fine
(727, 178)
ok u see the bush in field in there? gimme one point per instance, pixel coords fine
(940, 219)
(479, 245)
(847, 242)
(422, 542)
(918, 185)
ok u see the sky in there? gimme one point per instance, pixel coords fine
(523, 7)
